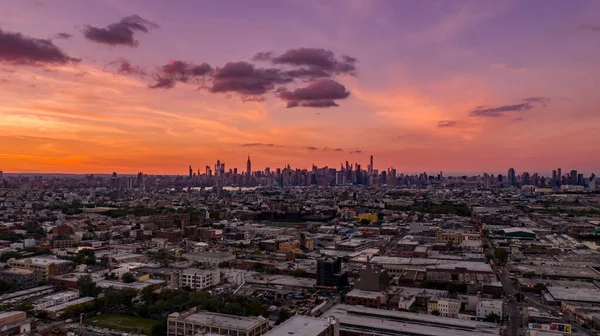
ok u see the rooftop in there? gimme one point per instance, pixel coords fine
(220, 320)
(300, 325)
(62, 306)
(363, 293)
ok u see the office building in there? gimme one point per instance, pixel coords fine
(48, 266)
(371, 279)
(198, 322)
(330, 274)
(511, 177)
(21, 278)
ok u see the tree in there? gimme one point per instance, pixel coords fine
(159, 329)
(284, 314)
(538, 287)
(501, 254)
(25, 306)
(87, 286)
(128, 278)
(6, 286)
(365, 221)
(489, 256)
(256, 308)
(9, 255)
(492, 317)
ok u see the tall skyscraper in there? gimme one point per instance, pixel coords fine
(191, 172)
(554, 180)
(249, 167)
(525, 178)
(371, 168)
(511, 177)
(573, 177)
(559, 177)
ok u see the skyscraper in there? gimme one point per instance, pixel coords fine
(249, 167)
(371, 168)
(559, 177)
(573, 177)
(191, 172)
(511, 177)
(525, 178)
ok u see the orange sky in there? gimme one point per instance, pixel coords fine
(86, 117)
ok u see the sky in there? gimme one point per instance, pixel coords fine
(156, 86)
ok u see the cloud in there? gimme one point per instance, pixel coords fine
(263, 56)
(127, 68)
(589, 27)
(500, 110)
(541, 100)
(247, 80)
(63, 36)
(258, 144)
(179, 71)
(447, 123)
(18, 49)
(120, 33)
(358, 151)
(338, 150)
(320, 93)
(311, 148)
(315, 59)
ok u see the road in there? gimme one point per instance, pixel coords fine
(513, 307)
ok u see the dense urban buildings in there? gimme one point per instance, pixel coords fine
(321, 251)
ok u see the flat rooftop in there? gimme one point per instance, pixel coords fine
(385, 322)
(300, 325)
(365, 294)
(25, 292)
(562, 293)
(62, 306)
(220, 320)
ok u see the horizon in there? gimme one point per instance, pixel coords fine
(154, 87)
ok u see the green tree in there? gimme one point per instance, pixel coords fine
(365, 221)
(6, 286)
(9, 255)
(501, 254)
(25, 306)
(87, 286)
(284, 314)
(538, 287)
(128, 278)
(492, 317)
(159, 329)
(256, 308)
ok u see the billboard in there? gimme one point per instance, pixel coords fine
(555, 327)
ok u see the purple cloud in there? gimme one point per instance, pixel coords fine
(258, 144)
(18, 49)
(358, 151)
(314, 59)
(120, 33)
(338, 150)
(536, 100)
(179, 71)
(245, 79)
(311, 148)
(447, 123)
(127, 68)
(500, 110)
(589, 27)
(63, 36)
(320, 93)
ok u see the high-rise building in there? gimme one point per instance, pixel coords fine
(248, 167)
(511, 177)
(191, 172)
(371, 168)
(554, 179)
(1, 174)
(573, 177)
(525, 178)
(487, 181)
(329, 273)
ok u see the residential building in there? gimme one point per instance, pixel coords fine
(330, 274)
(196, 279)
(21, 278)
(448, 307)
(446, 237)
(370, 299)
(55, 299)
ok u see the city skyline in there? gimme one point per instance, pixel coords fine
(466, 86)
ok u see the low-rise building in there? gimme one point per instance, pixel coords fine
(486, 307)
(48, 266)
(55, 299)
(370, 299)
(21, 278)
(195, 322)
(300, 325)
(196, 279)
(211, 259)
(56, 311)
(448, 307)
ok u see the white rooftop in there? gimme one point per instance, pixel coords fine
(300, 325)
